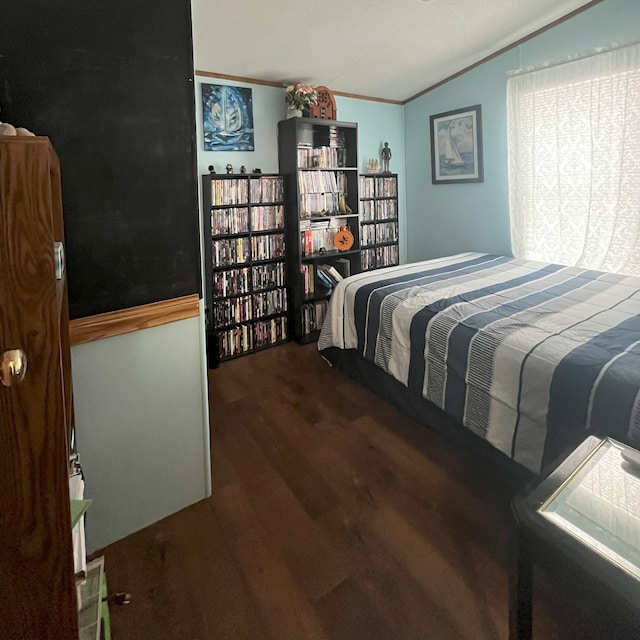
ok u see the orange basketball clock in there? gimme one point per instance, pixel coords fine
(343, 240)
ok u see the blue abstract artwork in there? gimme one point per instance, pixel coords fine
(227, 118)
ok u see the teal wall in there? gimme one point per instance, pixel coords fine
(447, 219)
(142, 423)
(377, 123)
(440, 219)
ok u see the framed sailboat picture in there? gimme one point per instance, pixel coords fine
(227, 118)
(456, 146)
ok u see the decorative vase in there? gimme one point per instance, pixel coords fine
(294, 113)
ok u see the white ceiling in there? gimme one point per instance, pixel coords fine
(385, 49)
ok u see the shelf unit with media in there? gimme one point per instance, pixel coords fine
(319, 161)
(245, 274)
(378, 220)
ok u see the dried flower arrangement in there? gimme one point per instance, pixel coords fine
(300, 96)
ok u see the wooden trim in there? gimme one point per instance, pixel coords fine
(115, 323)
(281, 85)
(224, 76)
(357, 96)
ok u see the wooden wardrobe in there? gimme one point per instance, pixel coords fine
(37, 587)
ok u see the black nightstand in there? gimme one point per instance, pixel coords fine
(581, 523)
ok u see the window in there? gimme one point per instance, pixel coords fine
(574, 162)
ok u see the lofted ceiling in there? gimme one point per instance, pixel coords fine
(384, 49)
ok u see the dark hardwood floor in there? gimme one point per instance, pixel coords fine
(332, 516)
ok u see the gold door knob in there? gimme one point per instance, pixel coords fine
(13, 367)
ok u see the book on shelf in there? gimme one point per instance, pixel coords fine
(331, 271)
(344, 266)
(325, 278)
(307, 242)
(308, 279)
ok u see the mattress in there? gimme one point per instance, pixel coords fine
(529, 356)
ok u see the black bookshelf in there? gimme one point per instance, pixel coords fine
(245, 259)
(379, 233)
(319, 161)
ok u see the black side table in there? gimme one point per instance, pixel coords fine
(582, 522)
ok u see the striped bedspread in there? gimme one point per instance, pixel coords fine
(527, 355)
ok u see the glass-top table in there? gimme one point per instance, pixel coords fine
(581, 521)
(599, 504)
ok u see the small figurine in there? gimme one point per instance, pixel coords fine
(229, 168)
(373, 165)
(212, 169)
(243, 169)
(386, 156)
(343, 207)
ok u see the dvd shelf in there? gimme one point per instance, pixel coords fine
(378, 220)
(245, 278)
(319, 161)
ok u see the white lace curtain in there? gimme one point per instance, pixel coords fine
(574, 162)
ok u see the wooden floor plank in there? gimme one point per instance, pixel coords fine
(314, 563)
(351, 614)
(332, 516)
(285, 610)
(394, 594)
(224, 388)
(363, 482)
(227, 610)
(149, 566)
(414, 484)
(438, 573)
(312, 492)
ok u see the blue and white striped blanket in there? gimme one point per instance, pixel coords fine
(527, 355)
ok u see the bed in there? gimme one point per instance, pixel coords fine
(527, 356)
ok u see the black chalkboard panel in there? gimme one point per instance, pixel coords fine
(111, 84)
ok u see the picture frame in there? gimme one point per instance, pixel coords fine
(456, 146)
(227, 118)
